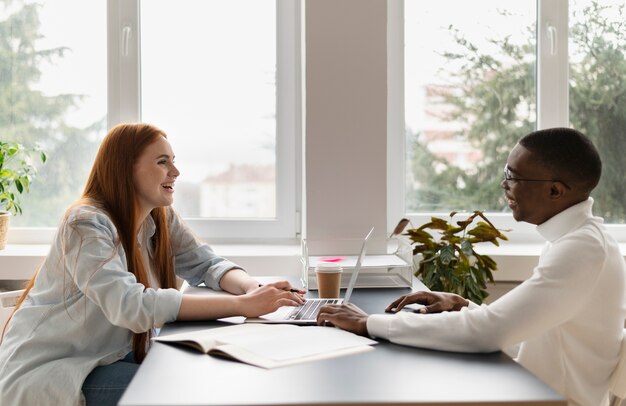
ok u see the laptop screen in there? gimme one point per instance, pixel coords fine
(357, 267)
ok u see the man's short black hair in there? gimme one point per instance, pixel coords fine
(568, 153)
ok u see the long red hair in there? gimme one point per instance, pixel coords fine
(110, 186)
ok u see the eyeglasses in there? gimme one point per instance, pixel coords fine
(509, 178)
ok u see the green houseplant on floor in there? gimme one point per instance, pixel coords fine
(17, 171)
(450, 263)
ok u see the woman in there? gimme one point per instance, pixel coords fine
(86, 318)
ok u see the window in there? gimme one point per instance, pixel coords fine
(473, 88)
(597, 102)
(469, 95)
(221, 81)
(53, 93)
(217, 100)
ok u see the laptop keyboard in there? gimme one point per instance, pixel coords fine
(308, 311)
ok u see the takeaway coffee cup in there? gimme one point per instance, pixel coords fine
(328, 279)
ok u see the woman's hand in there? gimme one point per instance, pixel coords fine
(268, 298)
(284, 285)
(435, 302)
(257, 301)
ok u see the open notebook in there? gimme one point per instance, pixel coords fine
(271, 346)
(307, 313)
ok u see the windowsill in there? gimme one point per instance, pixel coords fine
(19, 261)
(515, 261)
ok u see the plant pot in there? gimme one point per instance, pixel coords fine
(4, 228)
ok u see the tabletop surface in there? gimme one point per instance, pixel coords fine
(391, 374)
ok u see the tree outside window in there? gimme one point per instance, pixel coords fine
(33, 112)
(487, 92)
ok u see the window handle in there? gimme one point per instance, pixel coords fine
(552, 35)
(125, 40)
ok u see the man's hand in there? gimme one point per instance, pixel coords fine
(345, 316)
(435, 302)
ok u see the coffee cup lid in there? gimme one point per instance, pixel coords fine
(328, 267)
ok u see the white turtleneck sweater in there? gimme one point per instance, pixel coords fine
(568, 316)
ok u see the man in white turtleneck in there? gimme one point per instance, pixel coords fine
(568, 317)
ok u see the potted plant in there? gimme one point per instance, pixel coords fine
(450, 263)
(16, 174)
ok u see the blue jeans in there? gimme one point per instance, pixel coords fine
(105, 385)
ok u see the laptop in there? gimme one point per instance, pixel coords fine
(307, 313)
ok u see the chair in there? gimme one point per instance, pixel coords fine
(617, 385)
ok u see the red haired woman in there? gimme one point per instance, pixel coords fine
(85, 320)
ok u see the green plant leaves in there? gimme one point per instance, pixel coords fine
(466, 247)
(419, 236)
(484, 232)
(16, 173)
(436, 224)
(446, 254)
(450, 263)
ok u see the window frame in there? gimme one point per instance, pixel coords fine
(124, 105)
(124, 84)
(552, 86)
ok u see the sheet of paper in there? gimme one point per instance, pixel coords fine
(371, 261)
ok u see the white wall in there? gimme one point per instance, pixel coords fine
(345, 119)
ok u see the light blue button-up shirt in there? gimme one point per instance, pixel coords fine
(85, 306)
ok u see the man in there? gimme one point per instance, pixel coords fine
(569, 316)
